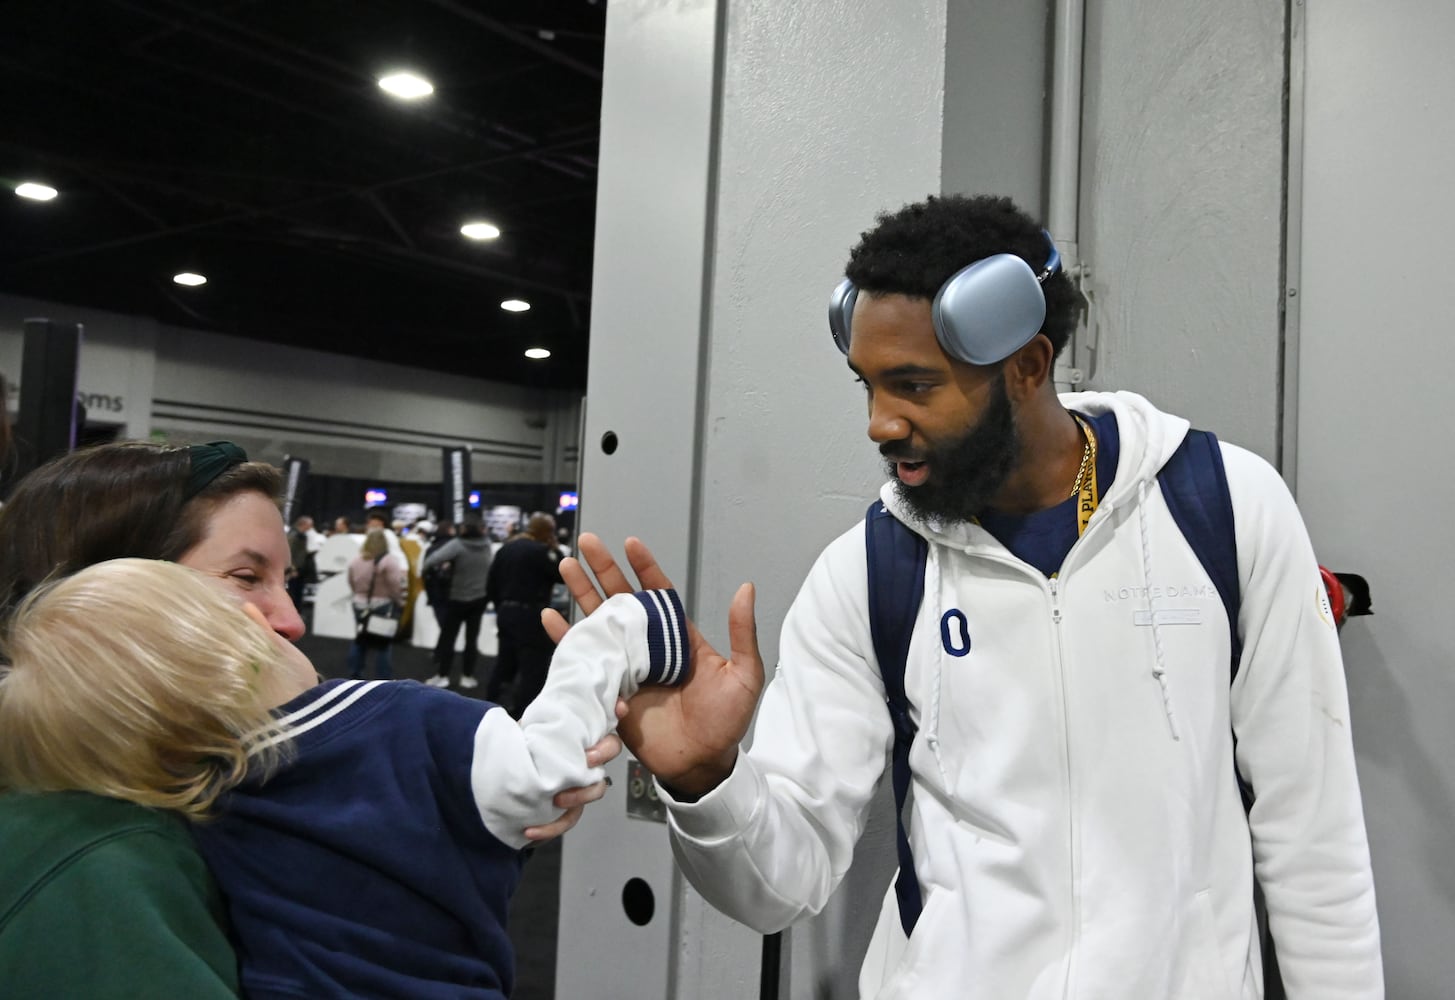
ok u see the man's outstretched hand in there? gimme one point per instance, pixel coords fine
(688, 735)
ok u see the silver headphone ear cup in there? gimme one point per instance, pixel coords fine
(841, 313)
(989, 310)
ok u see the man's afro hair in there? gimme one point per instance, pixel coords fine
(916, 250)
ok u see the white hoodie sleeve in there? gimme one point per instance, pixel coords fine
(631, 640)
(770, 844)
(1290, 712)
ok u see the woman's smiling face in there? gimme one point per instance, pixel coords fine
(245, 548)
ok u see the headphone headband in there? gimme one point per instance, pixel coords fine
(982, 315)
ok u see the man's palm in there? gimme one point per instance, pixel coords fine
(689, 734)
(681, 730)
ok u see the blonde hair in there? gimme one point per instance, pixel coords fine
(138, 680)
(375, 544)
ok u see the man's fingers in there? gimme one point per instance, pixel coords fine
(608, 574)
(578, 582)
(743, 628)
(556, 627)
(644, 565)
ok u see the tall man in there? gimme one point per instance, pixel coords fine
(1074, 817)
(521, 577)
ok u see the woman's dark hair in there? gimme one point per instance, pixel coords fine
(472, 527)
(917, 249)
(113, 501)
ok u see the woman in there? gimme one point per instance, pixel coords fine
(107, 894)
(468, 555)
(378, 581)
(100, 897)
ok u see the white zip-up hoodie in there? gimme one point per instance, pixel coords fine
(1075, 816)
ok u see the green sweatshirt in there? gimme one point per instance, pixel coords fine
(106, 900)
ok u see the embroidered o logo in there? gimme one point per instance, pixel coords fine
(955, 632)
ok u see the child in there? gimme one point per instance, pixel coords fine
(367, 834)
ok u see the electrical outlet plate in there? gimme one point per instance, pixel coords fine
(641, 795)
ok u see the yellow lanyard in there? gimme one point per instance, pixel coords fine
(1090, 496)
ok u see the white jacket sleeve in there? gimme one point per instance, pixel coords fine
(518, 767)
(771, 843)
(1290, 712)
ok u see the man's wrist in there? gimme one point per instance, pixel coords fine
(694, 784)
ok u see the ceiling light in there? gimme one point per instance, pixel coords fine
(36, 192)
(537, 353)
(190, 279)
(406, 86)
(480, 230)
(515, 305)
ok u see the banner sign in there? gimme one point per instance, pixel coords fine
(456, 487)
(295, 473)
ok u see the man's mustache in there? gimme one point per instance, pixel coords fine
(897, 453)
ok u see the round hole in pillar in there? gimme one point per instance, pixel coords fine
(608, 442)
(638, 902)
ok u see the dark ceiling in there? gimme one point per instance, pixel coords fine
(248, 140)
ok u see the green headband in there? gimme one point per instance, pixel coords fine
(210, 461)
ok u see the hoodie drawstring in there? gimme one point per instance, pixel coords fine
(1159, 671)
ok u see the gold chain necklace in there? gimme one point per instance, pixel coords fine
(1086, 456)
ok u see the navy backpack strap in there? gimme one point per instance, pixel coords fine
(896, 586)
(1195, 486)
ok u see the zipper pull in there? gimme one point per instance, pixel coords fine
(1055, 602)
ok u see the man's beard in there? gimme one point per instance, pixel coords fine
(967, 473)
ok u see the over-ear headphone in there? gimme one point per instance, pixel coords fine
(983, 314)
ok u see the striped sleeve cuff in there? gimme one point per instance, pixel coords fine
(667, 648)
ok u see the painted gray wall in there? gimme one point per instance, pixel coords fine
(350, 417)
(997, 100)
(1375, 472)
(832, 113)
(1181, 208)
(649, 275)
(743, 465)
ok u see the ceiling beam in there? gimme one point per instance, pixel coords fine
(504, 30)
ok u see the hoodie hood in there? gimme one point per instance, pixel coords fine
(1148, 439)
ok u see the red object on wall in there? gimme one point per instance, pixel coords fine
(1336, 594)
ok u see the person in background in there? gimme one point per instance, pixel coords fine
(303, 543)
(316, 538)
(376, 518)
(341, 526)
(436, 577)
(525, 569)
(411, 547)
(468, 558)
(377, 579)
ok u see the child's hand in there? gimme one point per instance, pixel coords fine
(687, 736)
(575, 800)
